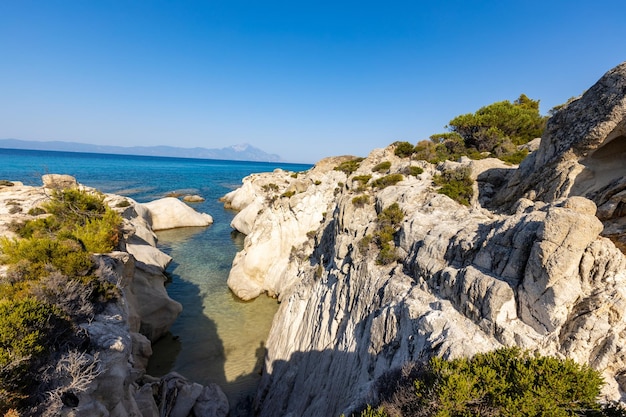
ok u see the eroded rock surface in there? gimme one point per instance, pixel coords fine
(582, 153)
(539, 274)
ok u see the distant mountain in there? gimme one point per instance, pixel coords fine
(242, 152)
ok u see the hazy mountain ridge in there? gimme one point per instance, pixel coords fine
(241, 152)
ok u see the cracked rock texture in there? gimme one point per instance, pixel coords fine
(527, 263)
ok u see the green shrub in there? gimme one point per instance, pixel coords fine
(364, 243)
(362, 180)
(388, 224)
(403, 149)
(515, 158)
(361, 200)
(29, 329)
(505, 382)
(36, 211)
(123, 203)
(456, 184)
(48, 285)
(348, 167)
(387, 180)
(317, 182)
(415, 170)
(34, 258)
(288, 194)
(384, 166)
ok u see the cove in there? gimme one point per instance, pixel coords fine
(217, 338)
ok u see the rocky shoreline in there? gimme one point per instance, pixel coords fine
(121, 335)
(532, 262)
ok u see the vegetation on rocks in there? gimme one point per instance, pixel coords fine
(415, 170)
(50, 288)
(387, 225)
(362, 180)
(456, 184)
(505, 382)
(361, 200)
(348, 167)
(494, 130)
(382, 167)
(387, 180)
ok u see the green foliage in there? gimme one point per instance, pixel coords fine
(36, 211)
(288, 194)
(48, 287)
(123, 203)
(415, 170)
(385, 165)
(361, 200)
(495, 130)
(519, 121)
(388, 223)
(505, 382)
(317, 182)
(365, 243)
(456, 184)
(387, 180)
(35, 257)
(348, 167)
(516, 157)
(403, 149)
(362, 180)
(28, 329)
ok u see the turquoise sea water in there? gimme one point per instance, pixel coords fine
(217, 338)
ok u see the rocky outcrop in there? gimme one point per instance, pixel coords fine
(582, 153)
(170, 213)
(120, 336)
(539, 274)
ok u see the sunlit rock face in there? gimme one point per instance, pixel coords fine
(525, 264)
(582, 153)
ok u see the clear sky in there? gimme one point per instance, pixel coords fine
(303, 79)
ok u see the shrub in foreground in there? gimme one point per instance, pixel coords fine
(505, 382)
(49, 288)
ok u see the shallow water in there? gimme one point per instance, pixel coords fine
(217, 338)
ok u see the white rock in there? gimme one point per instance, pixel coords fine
(170, 213)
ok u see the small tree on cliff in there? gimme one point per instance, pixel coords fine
(500, 124)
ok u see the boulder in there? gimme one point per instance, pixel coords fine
(193, 198)
(170, 213)
(59, 181)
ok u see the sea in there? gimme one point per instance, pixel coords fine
(217, 338)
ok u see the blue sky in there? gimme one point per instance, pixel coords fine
(303, 79)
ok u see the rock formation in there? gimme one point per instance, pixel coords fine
(525, 264)
(170, 213)
(121, 335)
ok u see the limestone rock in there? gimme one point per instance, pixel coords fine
(193, 198)
(59, 181)
(469, 279)
(582, 153)
(170, 213)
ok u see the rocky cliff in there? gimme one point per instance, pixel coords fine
(525, 264)
(113, 372)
